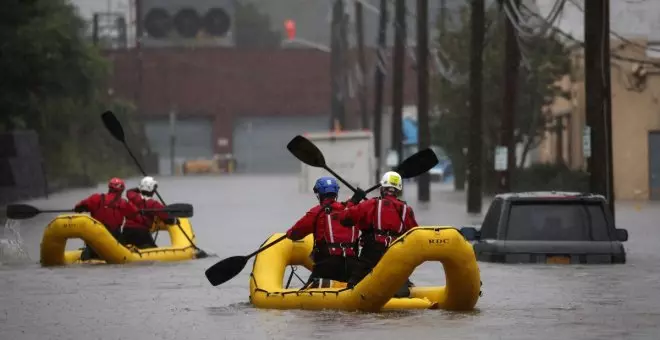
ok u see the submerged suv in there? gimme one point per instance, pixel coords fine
(548, 227)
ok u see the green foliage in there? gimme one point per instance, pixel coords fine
(253, 29)
(53, 81)
(546, 60)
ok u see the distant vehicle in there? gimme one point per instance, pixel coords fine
(548, 227)
(443, 170)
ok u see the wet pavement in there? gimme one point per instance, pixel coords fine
(233, 215)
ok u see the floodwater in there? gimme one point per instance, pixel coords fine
(234, 215)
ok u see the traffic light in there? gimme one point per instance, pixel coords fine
(173, 22)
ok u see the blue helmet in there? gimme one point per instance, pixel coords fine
(326, 185)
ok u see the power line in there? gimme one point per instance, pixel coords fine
(581, 43)
(619, 36)
(516, 17)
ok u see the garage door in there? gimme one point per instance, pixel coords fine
(259, 143)
(194, 139)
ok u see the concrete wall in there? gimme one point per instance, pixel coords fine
(21, 168)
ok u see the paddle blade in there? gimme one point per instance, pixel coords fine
(226, 269)
(21, 211)
(417, 164)
(179, 210)
(113, 125)
(306, 151)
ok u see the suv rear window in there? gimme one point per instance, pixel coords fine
(557, 221)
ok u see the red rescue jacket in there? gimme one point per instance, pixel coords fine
(146, 219)
(386, 218)
(110, 209)
(329, 234)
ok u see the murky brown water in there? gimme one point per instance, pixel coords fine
(233, 215)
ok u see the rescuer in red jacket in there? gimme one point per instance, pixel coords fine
(137, 230)
(335, 246)
(381, 220)
(110, 209)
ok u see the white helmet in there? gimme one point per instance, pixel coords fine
(148, 184)
(392, 179)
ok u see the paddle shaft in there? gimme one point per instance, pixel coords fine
(372, 188)
(339, 178)
(56, 211)
(266, 247)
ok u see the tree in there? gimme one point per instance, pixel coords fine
(545, 61)
(53, 81)
(253, 29)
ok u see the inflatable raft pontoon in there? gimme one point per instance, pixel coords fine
(374, 293)
(82, 226)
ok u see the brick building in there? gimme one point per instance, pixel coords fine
(248, 102)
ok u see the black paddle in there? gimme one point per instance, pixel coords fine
(24, 211)
(413, 166)
(228, 268)
(309, 154)
(117, 131)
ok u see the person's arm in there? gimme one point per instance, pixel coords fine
(357, 197)
(164, 216)
(304, 226)
(83, 206)
(356, 216)
(128, 209)
(411, 222)
(132, 194)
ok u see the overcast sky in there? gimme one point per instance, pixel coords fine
(639, 18)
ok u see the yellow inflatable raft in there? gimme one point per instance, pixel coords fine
(375, 291)
(82, 226)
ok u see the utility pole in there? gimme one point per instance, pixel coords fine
(424, 131)
(336, 66)
(511, 63)
(362, 88)
(443, 16)
(379, 85)
(138, 55)
(559, 141)
(397, 86)
(598, 96)
(475, 144)
(173, 140)
(95, 29)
